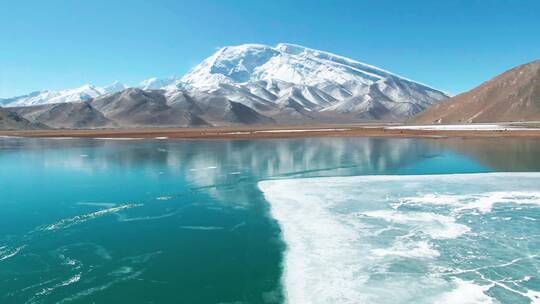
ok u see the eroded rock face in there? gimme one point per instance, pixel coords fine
(10, 120)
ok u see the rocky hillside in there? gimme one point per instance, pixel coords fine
(512, 96)
(10, 120)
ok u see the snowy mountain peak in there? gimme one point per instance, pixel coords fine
(82, 93)
(295, 49)
(155, 83)
(307, 79)
(230, 64)
(287, 62)
(290, 48)
(114, 87)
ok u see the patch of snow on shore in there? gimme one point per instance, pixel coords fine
(299, 130)
(469, 127)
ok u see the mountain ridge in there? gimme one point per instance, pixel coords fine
(10, 120)
(286, 83)
(513, 95)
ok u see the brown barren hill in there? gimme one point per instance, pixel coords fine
(511, 96)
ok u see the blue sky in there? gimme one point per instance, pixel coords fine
(451, 45)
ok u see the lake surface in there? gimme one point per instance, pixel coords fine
(157, 221)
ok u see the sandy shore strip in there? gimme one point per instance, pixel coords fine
(298, 131)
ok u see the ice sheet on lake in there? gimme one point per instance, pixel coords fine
(409, 239)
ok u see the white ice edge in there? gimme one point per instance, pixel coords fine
(322, 264)
(414, 177)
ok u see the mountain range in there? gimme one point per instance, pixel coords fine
(245, 84)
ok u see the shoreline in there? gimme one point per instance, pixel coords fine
(269, 132)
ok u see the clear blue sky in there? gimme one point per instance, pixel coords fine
(451, 45)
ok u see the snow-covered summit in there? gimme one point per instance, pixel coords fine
(235, 64)
(114, 87)
(286, 62)
(286, 80)
(314, 80)
(155, 83)
(83, 92)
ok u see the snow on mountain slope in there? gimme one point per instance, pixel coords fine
(114, 87)
(288, 82)
(315, 80)
(285, 62)
(156, 83)
(82, 93)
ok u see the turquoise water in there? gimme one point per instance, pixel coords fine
(154, 221)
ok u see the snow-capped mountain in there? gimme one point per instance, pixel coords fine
(81, 93)
(114, 87)
(249, 83)
(285, 62)
(156, 83)
(310, 80)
